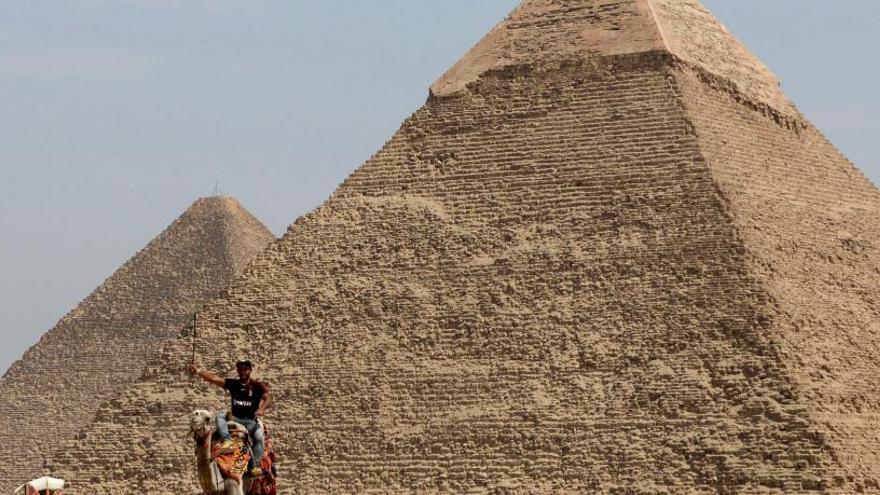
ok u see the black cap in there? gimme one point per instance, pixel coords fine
(244, 364)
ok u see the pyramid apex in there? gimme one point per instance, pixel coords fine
(217, 199)
(541, 32)
(242, 231)
(218, 205)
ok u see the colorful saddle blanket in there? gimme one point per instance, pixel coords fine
(232, 457)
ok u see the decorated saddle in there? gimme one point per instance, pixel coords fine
(232, 456)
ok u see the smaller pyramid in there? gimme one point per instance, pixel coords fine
(101, 346)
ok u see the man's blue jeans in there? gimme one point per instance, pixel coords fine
(253, 428)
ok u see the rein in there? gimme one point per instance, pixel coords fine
(194, 337)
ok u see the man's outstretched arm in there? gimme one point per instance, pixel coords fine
(208, 376)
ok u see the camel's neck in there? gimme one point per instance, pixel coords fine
(203, 451)
(208, 477)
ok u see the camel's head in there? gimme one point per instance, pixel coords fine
(201, 423)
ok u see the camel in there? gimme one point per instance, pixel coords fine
(202, 426)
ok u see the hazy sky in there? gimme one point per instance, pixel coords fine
(116, 114)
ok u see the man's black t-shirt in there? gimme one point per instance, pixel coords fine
(246, 397)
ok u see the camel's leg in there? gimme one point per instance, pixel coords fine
(233, 487)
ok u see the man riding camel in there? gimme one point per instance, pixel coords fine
(250, 399)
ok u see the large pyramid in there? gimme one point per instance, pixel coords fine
(607, 256)
(97, 350)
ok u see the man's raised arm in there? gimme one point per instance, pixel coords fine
(208, 376)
